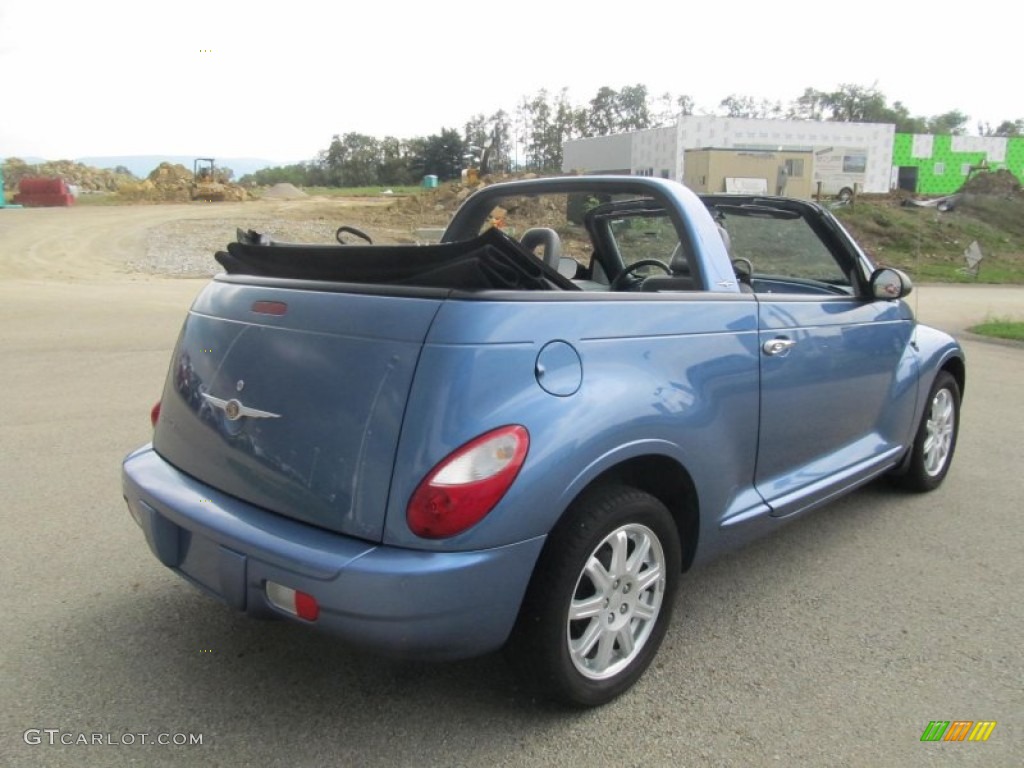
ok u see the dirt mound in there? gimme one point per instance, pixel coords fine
(173, 183)
(170, 174)
(165, 183)
(86, 178)
(283, 191)
(1000, 182)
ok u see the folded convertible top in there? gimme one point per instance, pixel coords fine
(492, 261)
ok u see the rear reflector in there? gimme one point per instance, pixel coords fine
(154, 413)
(292, 601)
(270, 307)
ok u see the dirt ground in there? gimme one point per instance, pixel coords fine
(90, 243)
(122, 247)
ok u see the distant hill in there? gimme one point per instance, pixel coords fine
(141, 165)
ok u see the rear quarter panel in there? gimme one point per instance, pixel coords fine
(671, 375)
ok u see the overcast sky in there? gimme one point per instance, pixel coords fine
(229, 78)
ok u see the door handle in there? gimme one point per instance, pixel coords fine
(777, 346)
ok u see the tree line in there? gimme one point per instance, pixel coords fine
(531, 138)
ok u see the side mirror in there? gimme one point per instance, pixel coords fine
(888, 284)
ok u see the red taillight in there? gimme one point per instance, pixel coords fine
(154, 414)
(464, 487)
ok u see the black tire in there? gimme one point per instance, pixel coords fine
(845, 194)
(935, 442)
(636, 601)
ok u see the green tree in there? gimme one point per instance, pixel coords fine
(537, 121)
(394, 162)
(810, 105)
(476, 135)
(663, 110)
(603, 116)
(440, 154)
(501, 138)
(857, 104)
(546, 125)
(905, 122)
(489, 141)
(352, 160)
(866, 104)
(1005, 128)
(667, 109)
(953, 123)
(749, 107)
(299, 174)
(633, 111)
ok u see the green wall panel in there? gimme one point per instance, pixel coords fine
(942, 173)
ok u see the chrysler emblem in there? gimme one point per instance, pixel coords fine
(234, 409)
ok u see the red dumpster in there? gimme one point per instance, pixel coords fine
(36, 191)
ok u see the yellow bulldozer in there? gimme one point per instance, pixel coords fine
(206, 185)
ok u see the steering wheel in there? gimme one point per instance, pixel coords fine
(351, 230)
(620, 278)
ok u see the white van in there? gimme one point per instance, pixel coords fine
(839, 169)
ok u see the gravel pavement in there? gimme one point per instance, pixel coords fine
(831, 643)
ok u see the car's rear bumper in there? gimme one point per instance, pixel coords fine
(441, 605)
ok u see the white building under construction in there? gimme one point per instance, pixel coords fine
(841, 154)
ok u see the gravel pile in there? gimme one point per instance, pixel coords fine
(283, 191)
(185, 248)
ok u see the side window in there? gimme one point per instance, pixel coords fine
(644, 237)
(786, 256)
(518, 214)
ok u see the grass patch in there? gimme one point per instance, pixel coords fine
(930, 245)
(1001, 328)
(361, 191)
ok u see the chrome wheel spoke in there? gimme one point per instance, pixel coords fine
(636, 560)
(584, 644)
(619, 543)
(598, 576)
(644, 611)
(648, 578)
(605, 649)
(625, 639)
(586, 608)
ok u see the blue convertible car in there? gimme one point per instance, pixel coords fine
(523, 435)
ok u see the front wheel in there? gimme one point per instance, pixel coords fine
(932, 452)
(601, 597)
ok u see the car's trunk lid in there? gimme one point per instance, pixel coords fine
(293, 399)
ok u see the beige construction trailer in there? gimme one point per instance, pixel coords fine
(754, 171)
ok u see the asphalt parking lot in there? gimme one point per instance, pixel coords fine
(834, 642)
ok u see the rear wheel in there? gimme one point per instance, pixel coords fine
(935, 441)
(601, 597)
